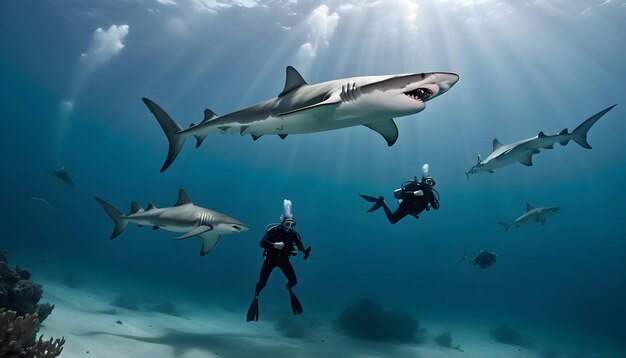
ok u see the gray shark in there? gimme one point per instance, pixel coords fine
(372, 101)
(523, 150)
(532, 215)
(184, 216)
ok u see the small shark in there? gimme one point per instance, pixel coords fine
(532, 215)
(42, 203)
(184, 216)
(372, 101)
(523, 150)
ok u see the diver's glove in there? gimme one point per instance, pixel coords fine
(306, 252)
(279, 245)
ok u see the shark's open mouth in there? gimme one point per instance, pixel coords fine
(420, 94)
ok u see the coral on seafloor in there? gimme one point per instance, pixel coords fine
(367, 320)
(17, 337)
(508, 335)
(18, 293)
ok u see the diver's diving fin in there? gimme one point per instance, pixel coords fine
(253, 311)
(296, 307)
(378, 202)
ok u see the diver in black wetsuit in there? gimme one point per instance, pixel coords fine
(484, 259)
(62, 174)
(414, 197)
(280, 243)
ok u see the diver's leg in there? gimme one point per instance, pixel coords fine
(292, 280)
(290, 274)
(396, 216)
(266, 269)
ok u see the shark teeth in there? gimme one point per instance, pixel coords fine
(419, 94)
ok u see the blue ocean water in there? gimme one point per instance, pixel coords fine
(71, 96)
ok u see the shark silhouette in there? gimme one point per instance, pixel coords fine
(372, 101)
(523, 150)
(184, 216)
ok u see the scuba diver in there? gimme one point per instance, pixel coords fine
(279, 243)
(414, 196)
(62, 174)
(484, 259)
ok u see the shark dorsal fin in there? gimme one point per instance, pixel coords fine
(134, 207)
(293, 81)
(208, 115)
(529, 207)
(564, 131)
(541, 135)
(150, 207)
(183, 198)
(282, 136)
(478, 160)
(496, 144)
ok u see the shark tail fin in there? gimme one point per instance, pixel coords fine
(505, 225)
(117, 216)
(171, 129)
(579, 135)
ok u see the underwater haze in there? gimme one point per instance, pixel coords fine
(72, 77)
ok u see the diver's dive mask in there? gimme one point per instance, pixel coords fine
(428, 181)
(289, 223)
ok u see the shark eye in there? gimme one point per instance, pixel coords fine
(421, 94)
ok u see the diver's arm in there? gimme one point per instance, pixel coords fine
(298, 242)
(265, 242)
(300, 246)
(433, 201)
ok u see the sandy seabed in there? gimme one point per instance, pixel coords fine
(94, 328)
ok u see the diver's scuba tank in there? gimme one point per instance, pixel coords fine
(398, 192)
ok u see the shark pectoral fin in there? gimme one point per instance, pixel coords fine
(195, 232)
(256, 136)
(491, 171)
(332, 100)
(528, 161)
(209, 240)
(386, 128)
(155, 227)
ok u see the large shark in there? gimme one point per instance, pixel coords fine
(523, 150)
(372, 101)
(184, 216)
(532, 215)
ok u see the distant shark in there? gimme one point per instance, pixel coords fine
(184, 216)
(532, 215)
(372, 101)
(523, 150)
